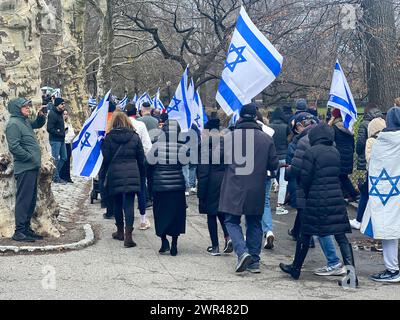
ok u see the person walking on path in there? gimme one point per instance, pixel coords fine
(65, 173)
(25, 149)
(382, 216)
(168, 187)
(124, 164)
(325, 211)
(344, 142)
(56, 130)
(210, 176)
(243, 186)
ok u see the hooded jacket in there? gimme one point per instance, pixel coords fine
(282, 131)
(55, 125)
(325, 212)
(21, 139)
(344, 141)
(363, 136)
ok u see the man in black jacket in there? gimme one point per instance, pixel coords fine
(56, 130)
(243, 186)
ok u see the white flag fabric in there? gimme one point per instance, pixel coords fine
(199, 115)
(252, 64)
(157, 103)
(122, 104)
(86, 153)
(340, 97)
(145, 97)
(178, 108)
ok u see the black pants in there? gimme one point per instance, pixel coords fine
(123, 205)
(65, 172)
(297, 224)
(213, 228)
(25, 201)
(347, 186)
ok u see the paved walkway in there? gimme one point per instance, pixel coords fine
(107, 270)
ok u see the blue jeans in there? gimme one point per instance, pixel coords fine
(192, 175)
(254, 235)
(59, 153)
(266, 221)
(328, 248)
(185, 171)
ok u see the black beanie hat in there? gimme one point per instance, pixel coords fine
(58, 101)
(212, 124)
(249, 111)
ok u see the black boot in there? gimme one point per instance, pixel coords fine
(174, 246)
(294, 269)
(165, 248)
(119, 235)
(348, 260)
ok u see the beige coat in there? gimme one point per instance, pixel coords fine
(374, 128)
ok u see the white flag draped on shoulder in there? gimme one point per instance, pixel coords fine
(86, 152)
(252, 64)
(178, 108)
(340, 97)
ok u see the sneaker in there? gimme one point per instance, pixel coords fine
(275, 186)
(186, 193)
(228, 248)
(281, 211)
(243, 262)
(32, 234)
(387, 276)
(355, 224)
(269, 241)
(336, 270)
(254, 268)
(193, 190)
(146, 225)
(21, 237)
(214, 251)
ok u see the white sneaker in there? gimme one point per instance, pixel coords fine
(186, 193)
(281, 211)
(336, 270)
(193, 190)
(355, 224)
(275, 186)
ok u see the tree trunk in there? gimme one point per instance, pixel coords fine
(20, 52)
(382, 67)
(72, 67)
(106, 39)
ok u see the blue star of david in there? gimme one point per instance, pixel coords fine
(384, 197)
(85, 143)
(239, 59)
(175, 106)
(197, 121)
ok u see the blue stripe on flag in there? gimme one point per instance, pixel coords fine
(229, 96)
(342, 102)
(258, 47)
(188, 116)
(369, 231)
(92, 160)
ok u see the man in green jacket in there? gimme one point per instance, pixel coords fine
(25, 149)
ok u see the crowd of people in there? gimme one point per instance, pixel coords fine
(307, 161)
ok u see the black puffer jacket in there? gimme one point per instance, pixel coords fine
(210, 176)
(125, 170)
(325, 212)
(344, 142)
(165, 171)
(55, 125)
(280, 136)
(363, 136)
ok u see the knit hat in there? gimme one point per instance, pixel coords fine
(249, 111)
(301, 105)
(212, 124)
(58, 101)
(393, 118)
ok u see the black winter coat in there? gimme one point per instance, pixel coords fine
(363, 136)
(242, 192)
(325, 213)
(210, 178)
(124, 171)
(280, 137)
(344, 142)
(55, 125)
(165, 170)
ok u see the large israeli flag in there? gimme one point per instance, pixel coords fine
(340, 97)
(86, 153)
(157, 103)
(145, 97)
(252, 65)
(178, 108)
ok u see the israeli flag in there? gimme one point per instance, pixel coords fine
(178, 108)
(134, 99)
(340, 97)
(157, 102)
(145, 97)
(252, 65)
(122, 104)
(86, 153)
(199, 115)
(92, 102)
